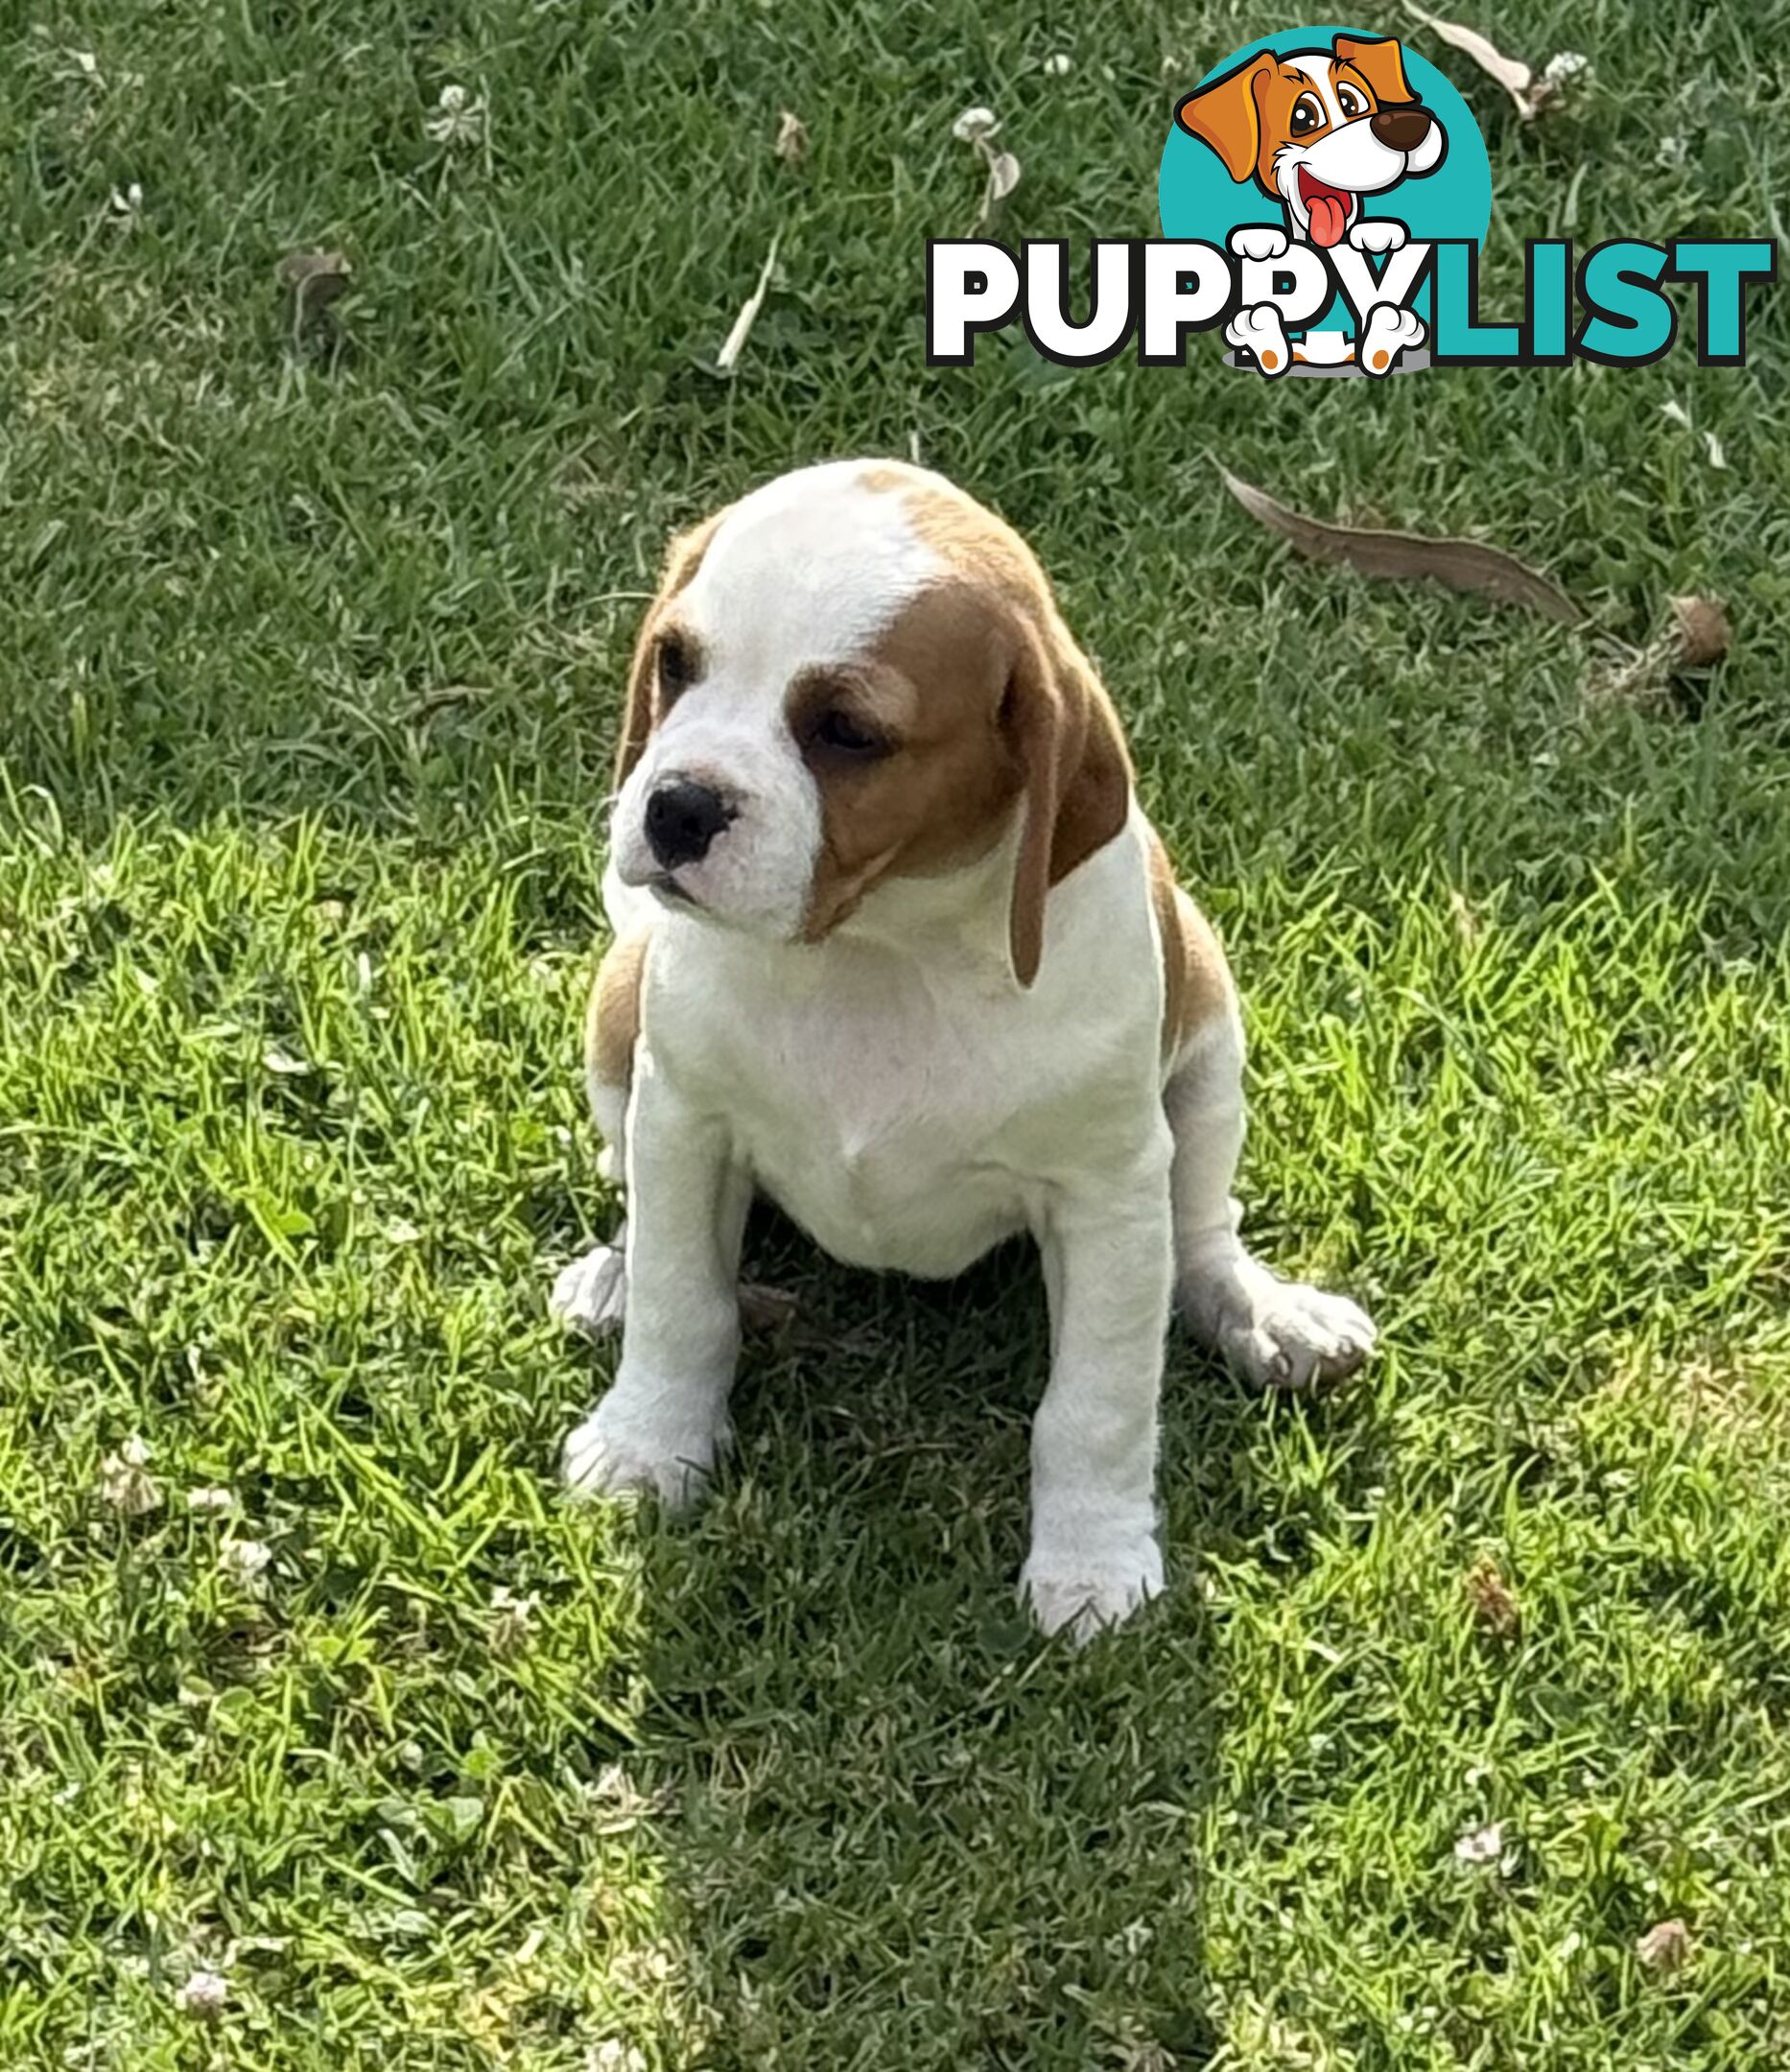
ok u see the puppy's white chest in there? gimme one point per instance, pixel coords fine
(867, 1113)
(896, 1093)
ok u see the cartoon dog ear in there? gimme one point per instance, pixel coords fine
(1225, 115)
(1075, 775)
(1381, 61)
(683, 558)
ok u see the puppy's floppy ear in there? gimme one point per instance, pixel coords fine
(683, 558)
(1225, 115)
(1075, 775)
(1381, 61)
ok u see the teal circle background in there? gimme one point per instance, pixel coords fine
(1198, 198)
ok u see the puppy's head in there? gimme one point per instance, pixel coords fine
(1317, 129)
(857, 675)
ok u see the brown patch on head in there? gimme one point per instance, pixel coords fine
(646, 699)
(1197, 980)
(972, 698)
(939, 785)
(612, 1019)
(1376, 64)
(1254, 109)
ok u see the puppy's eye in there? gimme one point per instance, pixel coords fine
(1308, 115)
(677, 666)
(1350, 102)
(844, 734)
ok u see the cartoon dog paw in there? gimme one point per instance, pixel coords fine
(1379, 234)
(1258, 333)
(1259, 241)
(1389, 332)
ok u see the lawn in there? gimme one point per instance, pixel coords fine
(1470, 1675)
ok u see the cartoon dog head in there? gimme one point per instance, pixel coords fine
(1318, 130)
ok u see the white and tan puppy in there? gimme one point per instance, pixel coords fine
(896, 946)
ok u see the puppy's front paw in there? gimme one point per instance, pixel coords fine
(1280, 1333)
(1379, 234)
(1258, 335)
(1082, 1588)
(1259, 241)
(591, 1294)
(1390, 332)
(618, 1448)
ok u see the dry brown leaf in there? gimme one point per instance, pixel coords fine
(1703, 630)
(1490, 1595)
(1666, 1946)
(1004, 175)
(791, 145)
(1530, 93)
(735, 342)
(1403, 556)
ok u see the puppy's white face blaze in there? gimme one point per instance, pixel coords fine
(798, 578)
(1321, 180)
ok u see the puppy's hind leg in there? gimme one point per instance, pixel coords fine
(591, 1294)
(1274, 1333)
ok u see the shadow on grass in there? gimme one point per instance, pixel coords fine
(898, 1828)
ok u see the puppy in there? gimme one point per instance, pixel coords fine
(896, 946)
(1318, 130)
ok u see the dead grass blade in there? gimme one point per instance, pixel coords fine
(1404, 557)
(1530, 93)
(734, 343)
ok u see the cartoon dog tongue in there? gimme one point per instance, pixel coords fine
(1330, 215)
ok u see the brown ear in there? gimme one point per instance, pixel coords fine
(1074, 777)
(1380, 62)
(1225, 116)
(683, 558)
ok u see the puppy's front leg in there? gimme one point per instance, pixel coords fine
(1108, 1271)
(665, 1420)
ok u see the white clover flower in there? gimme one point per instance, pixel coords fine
(1481, 1846)
(512, 1619)
(460, 117)
(975, 125)
(612, 2055)
(246, 1562)
(1059, 64)
(1566, 65)
(1674, 151)
(124, 1482)
(204, 1995)
(213, 1502)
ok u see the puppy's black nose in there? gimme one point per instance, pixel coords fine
(1401, 129)
(682, 820)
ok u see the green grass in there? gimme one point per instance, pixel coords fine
(309, 666)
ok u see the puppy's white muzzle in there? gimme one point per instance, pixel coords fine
(1349, 162)
(722, 818)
